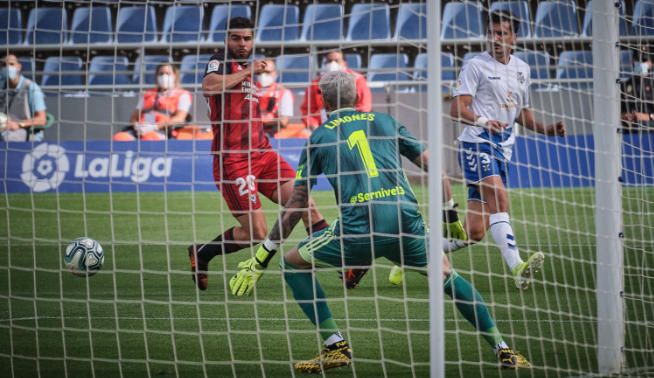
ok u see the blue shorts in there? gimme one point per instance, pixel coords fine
(478, 161)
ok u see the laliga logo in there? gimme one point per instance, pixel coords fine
(45, 167)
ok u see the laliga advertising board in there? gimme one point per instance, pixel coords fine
(102, 166)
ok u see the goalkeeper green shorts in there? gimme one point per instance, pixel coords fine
(325, 249)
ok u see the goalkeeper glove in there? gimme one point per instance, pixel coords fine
(452, 226)
(250, 271)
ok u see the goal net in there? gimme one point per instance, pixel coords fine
(121, 152)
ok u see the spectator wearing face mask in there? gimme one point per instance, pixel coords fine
(275, 101)
(160, 110)
(637, 105)
(313, 105)
(21, 103)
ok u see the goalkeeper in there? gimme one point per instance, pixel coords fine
(379, 217)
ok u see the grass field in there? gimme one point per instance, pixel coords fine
(142, 316)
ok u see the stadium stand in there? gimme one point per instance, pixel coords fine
(47, 25)
(219, 17)
(353, 61)
(626, 64)
(28, 68)
(643, 18)
(388, 67)
(145, 66)
(183, 23)
(63, 70)
(11, 24)
(192, 68)
(587, 26)
(323, 22)
(575, 64)
(91, 25)
(137, 24)
(539, 63)
(556, 19)
(279, 22)
(295, 68)
(448, 71)
(469, 55)
(519, 10)
(108, 70)
(462, 21)
(411, 21)
(369, 22)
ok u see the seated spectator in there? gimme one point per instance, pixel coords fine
(161, 110)
(637, 105)
(313, 105)
(275, 101)
(21, 100)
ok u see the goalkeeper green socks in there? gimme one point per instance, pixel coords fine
(471, 305)
(309, 295)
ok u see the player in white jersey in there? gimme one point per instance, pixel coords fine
(491, 94)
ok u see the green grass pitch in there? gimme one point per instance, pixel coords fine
(142, 316)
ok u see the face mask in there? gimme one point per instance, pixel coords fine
(265, 79)
(166, 81)
(332, 66)
(641, 68)
(10, 72)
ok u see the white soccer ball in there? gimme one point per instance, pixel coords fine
(84, 257)
(3, 121)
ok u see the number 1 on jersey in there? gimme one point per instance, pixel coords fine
(358, 138)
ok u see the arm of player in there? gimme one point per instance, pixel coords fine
(251, 270)
(526, 118)
(460, 111)
(217, 83)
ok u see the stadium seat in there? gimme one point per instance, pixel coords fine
(295, 68)
(11, 26)
(448, 73)
(519, 10)
(91, 25)
(183, 23)
(193, 67)
(469, 55)
(28, 67)
(539, 62)
(278, 22)
(587, 26)
(626, 64)
(108, 70)
(643, 19)
(63, 70)
(144, 68)
(369, 21)
(462, 21)
(388, 67)
(136, 24)
(47, 26)
(353, 61)
(556, 19)
(220, 17)
(411, 22)
(575, 65)
(323, 22)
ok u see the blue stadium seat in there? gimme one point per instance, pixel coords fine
(144, 68)
(448, 71)
(183, 23)
(539, 62)
(462, 21)
(643, 19)
(108, 70)
(295, 68)
(47, 26)
(193, 67)
(353, 61)
(626, 64)
(62, 70)
(587, 26)
(278, 22)
(220, 17)
(388, 67)
(575, 65)
(556, 19)
(91, 25)
(28, 67)
(469, 55)
(369, 21)
(411, 21)
(323, 22)
(519, 10)
(11, 26)
(136, 24)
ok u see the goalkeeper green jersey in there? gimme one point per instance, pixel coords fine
(359, 153)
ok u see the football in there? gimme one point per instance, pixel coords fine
(84, 257)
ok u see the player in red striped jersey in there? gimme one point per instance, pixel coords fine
(244, 164)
